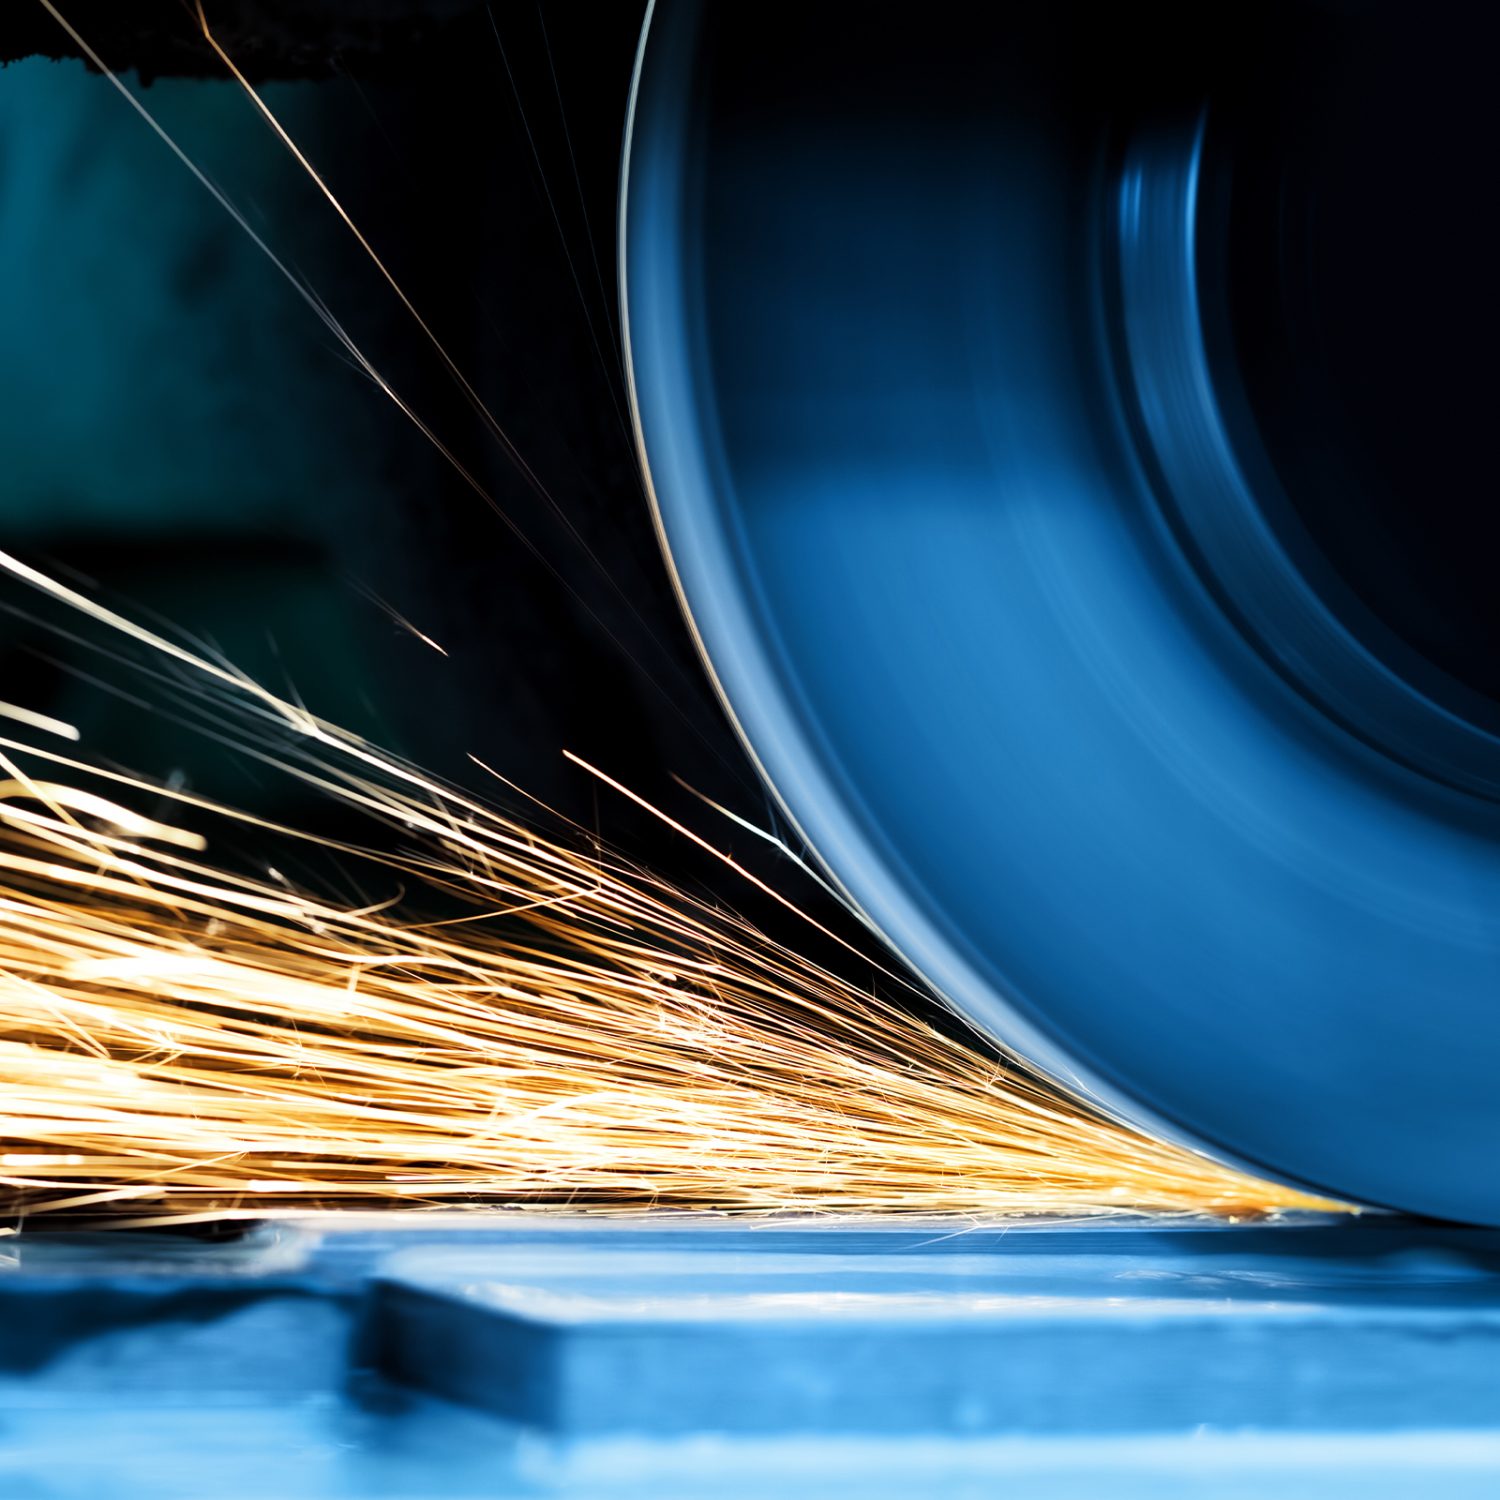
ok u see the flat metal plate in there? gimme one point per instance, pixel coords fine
(512, 1356)
(907, 510)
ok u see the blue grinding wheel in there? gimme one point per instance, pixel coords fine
(981, 450)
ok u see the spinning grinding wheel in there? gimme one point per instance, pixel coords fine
(1065, 426)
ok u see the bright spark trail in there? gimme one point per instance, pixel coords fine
(514, 1017)
(179, 1038)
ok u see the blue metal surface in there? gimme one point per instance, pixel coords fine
(950, 487)
(651, 1358)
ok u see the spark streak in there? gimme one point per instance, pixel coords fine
(513, 1019)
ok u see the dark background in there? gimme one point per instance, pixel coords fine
(178, 427)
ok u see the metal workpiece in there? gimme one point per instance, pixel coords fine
(658, 1357)
(1097, 585)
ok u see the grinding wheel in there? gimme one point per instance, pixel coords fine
(1068, 431)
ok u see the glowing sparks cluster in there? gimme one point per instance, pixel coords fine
(179, 1038)
(517, 1019)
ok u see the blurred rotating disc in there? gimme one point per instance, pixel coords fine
(1070, 427)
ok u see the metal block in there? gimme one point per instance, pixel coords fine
(491, 1356)
(1025, 1333)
